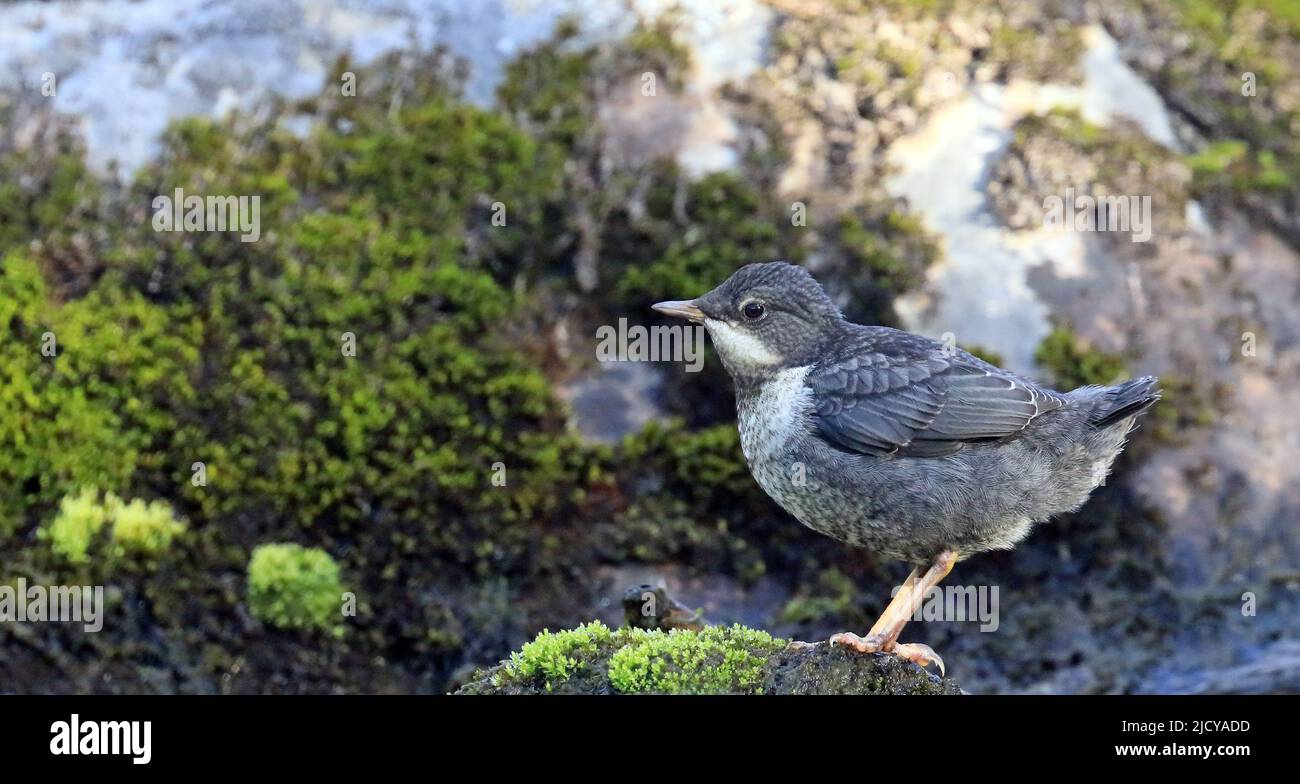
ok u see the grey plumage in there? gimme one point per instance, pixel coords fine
(896, 442)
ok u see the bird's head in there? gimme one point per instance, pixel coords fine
(764, 318)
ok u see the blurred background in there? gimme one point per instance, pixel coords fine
(181, 420)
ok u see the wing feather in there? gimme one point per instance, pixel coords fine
(913, 397)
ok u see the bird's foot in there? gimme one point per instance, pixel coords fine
(872, 643)
(918, 653)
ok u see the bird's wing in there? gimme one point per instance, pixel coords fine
(910, 396)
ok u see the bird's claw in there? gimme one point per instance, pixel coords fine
(918, 653)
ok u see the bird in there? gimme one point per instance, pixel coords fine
(907, 446)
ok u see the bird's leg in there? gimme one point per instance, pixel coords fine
(883, 637)
(883, 634)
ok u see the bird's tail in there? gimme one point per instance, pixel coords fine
(1125, 400)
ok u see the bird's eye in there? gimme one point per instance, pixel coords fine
(752, 310)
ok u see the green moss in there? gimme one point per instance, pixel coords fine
(1064, 122)
(1050, 54)
(1215, 17)
(295, 587)
(708, 459)
(1119, 161)
(143, 529)
(196, 347)
(1116, 151)
(834, 597)
(988, 355)
(139, 528)
(1253, 153)
(1269, 174)
(46, 193)
(80, 519)
(729, 226)
(1215, 159)
(58, 435)
(1186, 403)
(547, 89)
(1230, 164)
(872, 249)
(702, 504)
(713, 660)
(655, 47)
(879, 251)
(1073, 364)
(202, 348)
(557, 656)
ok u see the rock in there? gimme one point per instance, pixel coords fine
(593, 659)
(820, 668)
(650, 607)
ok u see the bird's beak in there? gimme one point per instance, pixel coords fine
(686, 309)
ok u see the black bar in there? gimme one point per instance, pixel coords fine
(820, 736)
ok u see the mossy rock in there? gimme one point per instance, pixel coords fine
(593, 659)
(1227, 66)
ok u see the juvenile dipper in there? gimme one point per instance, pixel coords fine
(914, 449)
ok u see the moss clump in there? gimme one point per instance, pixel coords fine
(713, 660)
(174, 348)
(144, 529)
(295, 587)
(139, 528)
(731, 226)
(1215, 159)
(1059, 150)
(546, 89)
(654, 46)
(1186, 403)
(557, 656)
(988, 355)
(1231, 164)
(1073, 364)
(47, 195)
(79, 521)
(834, 596)
(884, 251)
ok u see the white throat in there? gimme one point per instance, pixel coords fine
(740, 351)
